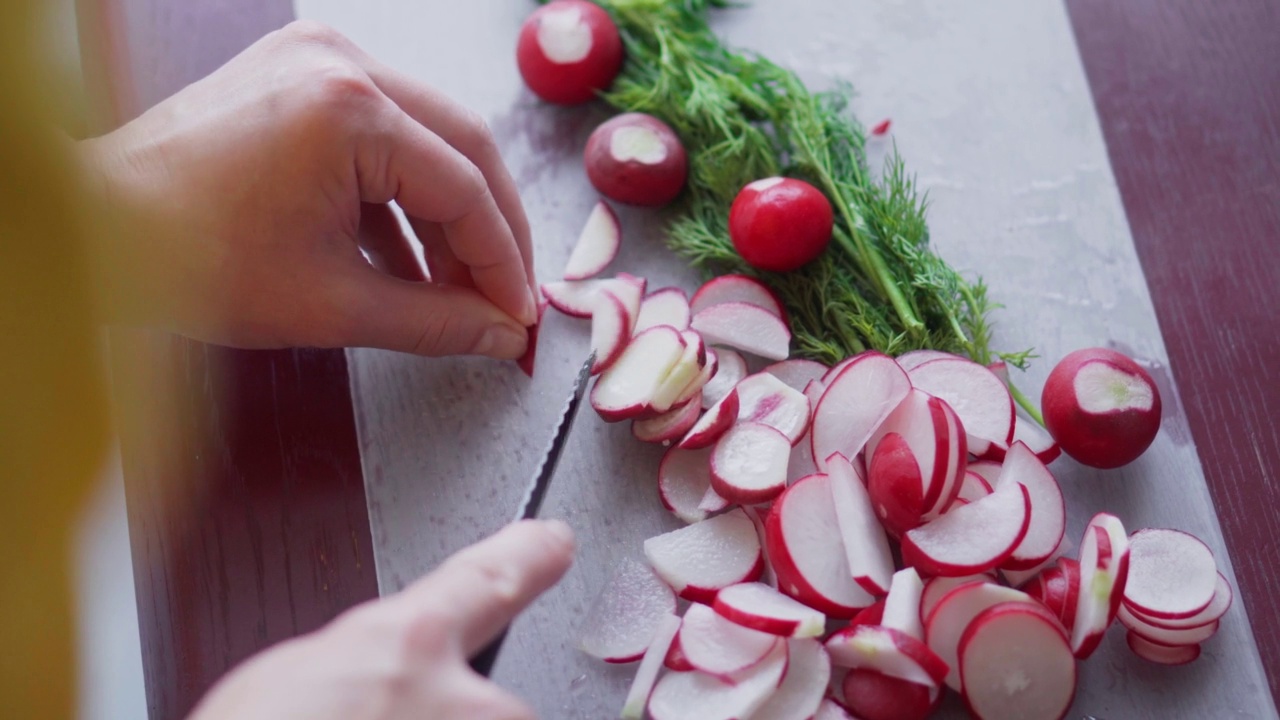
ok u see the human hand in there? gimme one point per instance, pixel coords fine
(405, 656)
(248, 196)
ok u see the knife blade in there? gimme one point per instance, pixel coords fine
(483, 662)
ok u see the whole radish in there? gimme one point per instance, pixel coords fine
(636, 159)
(568, 51)
(780, 224)
(1101, 407)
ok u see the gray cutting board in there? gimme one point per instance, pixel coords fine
(991, 108)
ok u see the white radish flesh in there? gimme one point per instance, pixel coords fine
(831, 710)
(667, 306)
(1036, 438)
(627, 614)
(610, 330)
(866, 545)
(1164, 636)
(669, 426)
(1104, 572)
(1172, 574)
(683, 479)
(574, 298)
(1048, 508)
(685, 371)
(914, 359)
(972, 538)
(760, 607)
(627, 388)
(953, 614)
(713, 423)
(975, 393)
(989, 470)
(973, 487)
(736, 288)
(650, 665)
(767, 577)
(1016, 664)
(745, 327)
(698, 560)
(1161, 654)
(797, 373)
(803, 687)
(749, 463)
(720, 647)
(597, 245)
(854, 404)
(902, 605)
(1222, 597)
(937, 588)
(699, 696)
(888, 651)
(694, 388)
(731, 368)
(763, 398)
(802, 463)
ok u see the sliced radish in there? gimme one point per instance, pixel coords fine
(1036, 439)
(1051, 588)
(797, 373)
(1015, 662)
(1161, 654)
(956, 458)
(870, 615)
(831, 710)
(730, 370)
(914, 359)
(610, 330)
(675, 659)
(627, 388)
(876, 696)
(763, 398)
(736, 288)
(1048, 509)
(854, 404)
(972, 538)
(893, 482)
(973, 487)
(576, 299)
(1218, 607)
(1071, 573)
(650, 665)
(712, 502)
(866, 546)
(886, 650)
(946, 624)
(713, 423)
(988, 470)
(1101, 407)
(597, 244)
(1172, 574)
(683, 479)
(803, 536)
(760, 607)
(699, 696)
(937, 588)
(686, 369)
(746, 327)
(1104, 573)
(975, 394)
(698, 560)
(694, 388)
(1164, 636)
(802, 463)
(767, 577)
(667, 306)
(902, 605)
(720, 647)
(630, 290)
(749, 463)
(802, 689)
(670, 425)
(914, 479)
(627, 615)
(526, 361)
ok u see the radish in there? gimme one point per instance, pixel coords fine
(698, 560)
(685, 371)
(1048, 509)
(1161, 654)
(712, 503)
(1218, 607)
(713, 423)
(568, 51)
(1036, 439)
(627, 615)
(803, 536)
(1015, 662)
(760, 607)
(973, 487)
(694, 388)
(699, 696)
(763, 398)
(888, 651)
(650, 665)
(953, 614)
(597, 244)
(802, 689)
(902, 605)
(975, 394)
(989, 470)
(937, 588)
(746, 327)
(797, 374)
(749, 463)
(719, 647)
(870, 615)
(626, 389)
(737, 288)
(831, 710)
(767, 577)
(1172, 575)
(1164, 636)
(636, 159)
(865, 544)
(1054, 590)
(917, 482)
(668, 306)
(780, 224)
(973, 538)
(730, 371)
(574, 298)
(1101, 407)
(876, 696)
(854, 404)
(526, 361)
(914, 359)
(670, 425)
(675, 659)
(610, 331)
(1104, 572)
(683, 479)
(802, 463)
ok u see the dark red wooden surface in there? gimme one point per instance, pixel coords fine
(246, 503)
(1189, 97)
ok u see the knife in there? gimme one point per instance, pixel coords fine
(483, 662)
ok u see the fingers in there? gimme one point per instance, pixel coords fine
(388, 248)
(481, 589)
(445, 267)
(475, 698)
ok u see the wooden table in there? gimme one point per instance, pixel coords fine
(1187, 100)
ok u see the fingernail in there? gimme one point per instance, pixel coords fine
(560, 530)
(502, 342)
(529, 314)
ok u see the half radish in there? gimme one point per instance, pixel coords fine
(627, 615)
(713, 423)
(1015, 662)
(760, 607)
(746, 327)
(1104, 572)
(597, 244)
(667, 306)
(947, 622)
(1161, 654)
(683, 479)
(736, 288)
(797, 373)
(699, 560)
(876, 696)
(763, 398)
(902, 605)
(866, 545)
(670, 425)
(805, 684)
(1172, 574)
(749, 463)
(627, 388)
(730, 371)
(719, 647)
(650, 665)
(888, 651)
(919, 474)
(699, 696)
(1048, 509)
(972, 538)
(975, 394)
(855, 403)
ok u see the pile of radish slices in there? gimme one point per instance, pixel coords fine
(797, 482)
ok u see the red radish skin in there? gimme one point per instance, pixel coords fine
(780, 224)
(1222, 597)
(686, 370)
(666, 306)
(694, 389)
(767, 577)
(886, 650)
(698, 696)
(1015, 662)
(699, 560)
(831, 710)
(730, 369)
(947, 622)
(675, 659)
(670, 425)
(749, 463)
(975, 393)
(597, 244)
(1172, 574)
(716, 646)
(760, 607)
(797, 374)
(1162, 636)
(574, 298)
(865, 544)
(650, 665)
(625, 390)
(893, 482)
(712, 502)
(1160, 654)
(875, 696)
(627, 614)
(870, 615)
(568, 51)
(802, 689)
(1104, 572)
(610, 331)
(745, 327)
(763, 398)
(683, 479)
(1101, 407)
(970, 539)
(855, 403)
(713, 423)
(526, 362)
(636, 159)
(1048, 520)
(1071, 572)
(937, 588)
(926, 424)
(973, 487)
(737, 288)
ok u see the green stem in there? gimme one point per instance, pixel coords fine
(1026, 404)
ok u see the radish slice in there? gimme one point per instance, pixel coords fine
(866, 545)
(675, 659)
(802, 463)
(669, 426)
(855, 403)
(719, 647)
(650, 665)
(972, 538)
(888, 651)
(955, 443)
(576, 299)
(736, 288)
(1015, 662)
(713, 423)
(902, 605)
(937, 588)
(699, 696)
(1160, 654)
(668, 306)
(1052, 589)
(831, 710)
(947, 622)
(698, 560)
(1216, 609)
(627, 615)
(597, 244)
(803, 536)
(1104, 573)
(871, 615)
(749, 463)
(915, 483)
(749, 328)
(712, 502)
(1048, 509)
(760, 607)
(767, 577)
(803, 687)
(1164, 636)
(630, 290)
(797, 374)
(875, 695)
(764, 398)
(732, 368)
(914, 359)
(610, 330)
(987, 469)
(627, 388)
(685, 371)
(973, 487)
(1172, 574)
(694, 388)
(683, 479)
(1036, 438)
(977, 396)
